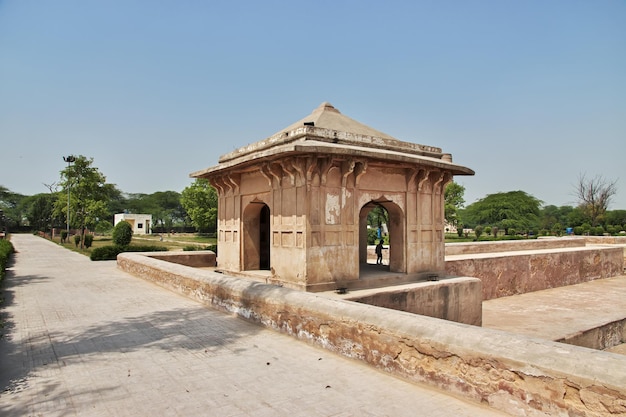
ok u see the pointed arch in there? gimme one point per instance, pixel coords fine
(256, 237)
(396, 227)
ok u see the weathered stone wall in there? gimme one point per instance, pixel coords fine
(454, 299)
(516, 374)
(606, 240)
(600, 338)
(197, 259)
(466, 248)
(505, 274)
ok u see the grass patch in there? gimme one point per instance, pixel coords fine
(101, 241)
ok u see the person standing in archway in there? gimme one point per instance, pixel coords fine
(379, 252)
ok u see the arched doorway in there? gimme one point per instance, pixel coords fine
(392, 214)
(256, 237)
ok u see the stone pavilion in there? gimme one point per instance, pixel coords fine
(292, 208)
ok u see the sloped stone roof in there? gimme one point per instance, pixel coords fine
(328, 117)
(327, 131)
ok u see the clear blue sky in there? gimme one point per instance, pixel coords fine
(529, 94)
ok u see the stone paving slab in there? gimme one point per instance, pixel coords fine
(83, 338)
(556, 313)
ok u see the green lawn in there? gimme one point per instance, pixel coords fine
(172, 242)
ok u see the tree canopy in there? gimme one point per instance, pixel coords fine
(454, 201)
(594, 195)
(200, 201)
(510, 210)
(88, 194)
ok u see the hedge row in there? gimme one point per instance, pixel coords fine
(6, 250)
(110, 252)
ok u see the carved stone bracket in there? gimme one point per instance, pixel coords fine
(311, 168)
(422, 178)
(437, 181)
(299, 165)
(324, 165)
(359, 171)
(288, 169)
(446, 180)
(412, 179)
(347, 168)
(274, 173)
(233, 183)
(218, 184)
(266, 174)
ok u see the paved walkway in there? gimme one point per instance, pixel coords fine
(83, 338)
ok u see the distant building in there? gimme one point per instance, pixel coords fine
(141, 223)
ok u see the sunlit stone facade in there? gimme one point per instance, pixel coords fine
(293, 207)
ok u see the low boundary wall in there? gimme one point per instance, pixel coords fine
(465, 248)
(504, 274)
(453, 299)
(198, 259)
(516, 374)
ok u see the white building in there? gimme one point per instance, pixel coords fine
(141, 223)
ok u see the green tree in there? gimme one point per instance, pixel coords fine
(550, 215)
(40, 211)
(615, 218)
(377, 216)
(453, 197)
(594, 196)
(89, 193)
(200, 201)
(513, 209)
(169, 209)
(10, 204)
(576, 217)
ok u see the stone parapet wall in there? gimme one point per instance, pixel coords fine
(504, 274)
(466, 248)
(454, 299)
(606, 240)
(198, 259)
(516, 374)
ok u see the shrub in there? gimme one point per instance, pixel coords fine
(122, 233)
(191, 248)
(106, 253)
(110, 252)
(459, 230)
(488, 230)
(372, 236)
(478, 230)
(63, 236)
(512, 231)
(88, 240)
(76, 240)
(6, 250)
(196, 247)
(578, 230)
